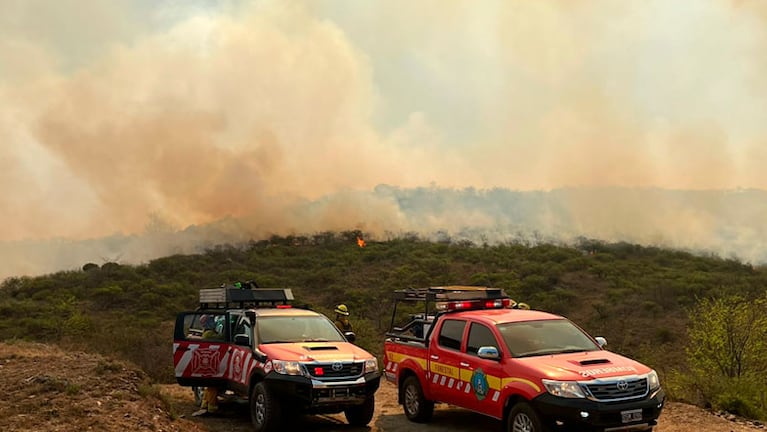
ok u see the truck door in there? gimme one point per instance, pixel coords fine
(242, 353)
(485, 375)
(444, 379)
(201, 351)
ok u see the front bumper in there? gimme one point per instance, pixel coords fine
(323, 396)
(586, 415)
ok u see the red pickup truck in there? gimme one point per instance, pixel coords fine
(535, 371)
(285, 361)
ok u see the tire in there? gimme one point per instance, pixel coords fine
(198, 391)
(360, 415)
(264, 409)
(523, 418)
(417, 408)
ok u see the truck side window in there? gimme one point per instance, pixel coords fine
(451, 333)
(479, 336)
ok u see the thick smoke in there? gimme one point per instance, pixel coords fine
(284, 117)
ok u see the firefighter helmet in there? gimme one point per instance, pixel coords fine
(342, 310)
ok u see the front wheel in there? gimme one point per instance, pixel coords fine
(360, 415)
(264, 409)
(416, 407)
(523, 418)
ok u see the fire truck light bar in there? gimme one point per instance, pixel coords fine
(474, 304)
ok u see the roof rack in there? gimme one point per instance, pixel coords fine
(447, 293)
(229, 296)
(462, 297)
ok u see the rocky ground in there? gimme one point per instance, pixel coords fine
(47, 389)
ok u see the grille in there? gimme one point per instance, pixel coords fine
(618, 389)
(347, 370)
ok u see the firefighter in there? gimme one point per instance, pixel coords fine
(209, 403)
(342, 318)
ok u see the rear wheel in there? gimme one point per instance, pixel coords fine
(416, 407)
(523, 418)
(360, 415)
(264, 409)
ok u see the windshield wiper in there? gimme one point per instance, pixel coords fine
(278, 341)
(551, 352)
(575, 350)
(316, 340)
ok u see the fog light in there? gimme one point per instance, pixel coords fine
(584, 414)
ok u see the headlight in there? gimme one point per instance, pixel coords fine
(371, 365)
(652, 380)
(565, 389)
(287, 367)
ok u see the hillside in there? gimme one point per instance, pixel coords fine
(638, 297)
(88, 392)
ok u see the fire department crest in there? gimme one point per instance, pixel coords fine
(205, 361)
(237, 366)
(479, 382)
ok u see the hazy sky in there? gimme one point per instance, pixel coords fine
(116, 115)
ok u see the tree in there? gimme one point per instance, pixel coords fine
(727, 353)
(727, 336)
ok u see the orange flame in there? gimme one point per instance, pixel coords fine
(360, 242)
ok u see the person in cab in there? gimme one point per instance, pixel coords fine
(211, 331)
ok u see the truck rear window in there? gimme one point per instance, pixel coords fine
(451, 334)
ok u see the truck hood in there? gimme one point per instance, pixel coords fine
(316, 352)
(583, 366)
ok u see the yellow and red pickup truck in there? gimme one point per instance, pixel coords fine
(252, 344)
(535, 371)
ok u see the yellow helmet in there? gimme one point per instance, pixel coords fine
(342, 309)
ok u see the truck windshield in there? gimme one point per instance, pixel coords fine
(283, 329)
(546, 337)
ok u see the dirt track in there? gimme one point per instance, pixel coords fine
(389, 418)
(47, 389)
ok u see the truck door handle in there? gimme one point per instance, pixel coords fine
(464, 364)
(434, 357)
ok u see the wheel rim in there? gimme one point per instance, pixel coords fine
(411, 400)
(259, 410)
(522, 423)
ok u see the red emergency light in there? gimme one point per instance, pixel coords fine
(459, 305)
(319, 371)
(284, 306)
(498, 303)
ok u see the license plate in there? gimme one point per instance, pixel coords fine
(631, 415)
(343, 393)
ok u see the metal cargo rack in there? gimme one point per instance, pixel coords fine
(233, 297)
(447, 293)
(429, 296)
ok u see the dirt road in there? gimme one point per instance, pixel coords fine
(47, 389)
(389, 418)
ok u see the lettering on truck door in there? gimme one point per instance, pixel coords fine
(444, 362)
(485, 375)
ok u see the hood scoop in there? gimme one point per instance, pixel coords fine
(593, 362)
(321, 348)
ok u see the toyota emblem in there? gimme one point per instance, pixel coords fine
(622, 385)
(337, 366)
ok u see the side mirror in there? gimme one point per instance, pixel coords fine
(350, 336)
(602, 342)
(489, 352)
